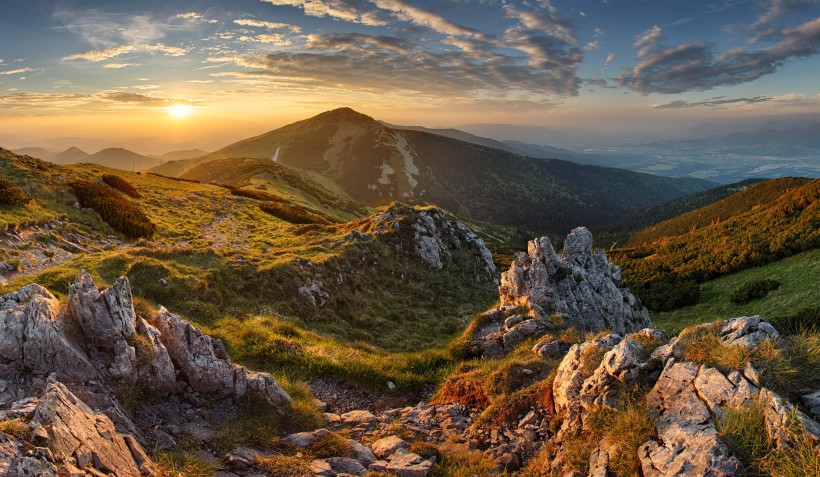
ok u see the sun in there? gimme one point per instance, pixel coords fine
(180, 111)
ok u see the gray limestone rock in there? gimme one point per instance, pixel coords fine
(33, 342)
(204, 364)
(578, 285)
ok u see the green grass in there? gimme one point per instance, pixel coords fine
(799, 278)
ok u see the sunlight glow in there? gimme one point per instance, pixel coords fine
(180, 111)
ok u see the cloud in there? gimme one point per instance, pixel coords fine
(537, 53)
(716, 102)
(96, 56)
(82, 102)
(422, 17)
(699, 66)
(194, 16)
(608, 60)
(16, 71)
(274, 39)
(268, 25)
(117, 66)
(355, 11)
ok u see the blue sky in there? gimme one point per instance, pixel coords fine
(571, 61)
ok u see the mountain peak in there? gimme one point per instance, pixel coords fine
(344, 113)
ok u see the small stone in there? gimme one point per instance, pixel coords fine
(387, 446)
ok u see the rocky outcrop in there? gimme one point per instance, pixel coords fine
(125, 344)
(429, 235)
(203, 363)
(73, 440)
(581, 285)
(34, 342)
(55, 367)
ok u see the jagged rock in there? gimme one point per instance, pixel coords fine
(33, 341)
(111, 326)
(620, 364)
(75, 432)
(777, 415)
(387, 446)
(687, 439)
(363, 454)
(570, 377)
(204, 364)
(747, 331)
(580, 286)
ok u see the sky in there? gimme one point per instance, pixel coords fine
(164, 73)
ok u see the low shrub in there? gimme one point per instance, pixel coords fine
(465, 391)
(10, 194)
(753, 290)
(667, 293)
(256, 194)
(117, 211)
(294, 213)
(121, 185)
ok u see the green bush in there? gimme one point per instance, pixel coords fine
(121, 185)
(11, 194)
(254, 194)
(121, 214)
(293, 213)
(753, 290)
(667, 293)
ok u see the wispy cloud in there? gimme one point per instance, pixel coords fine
(117, 66)
(80, 102)
(95, 56)
(356, 11)
(716, 102)
(17, 71)
(269, 25)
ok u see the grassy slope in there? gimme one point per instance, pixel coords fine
(230, 267)
(755, 232)
(799, 278)
(718, 210)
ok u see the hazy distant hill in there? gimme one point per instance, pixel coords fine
(461, 136)
(550, 152)
(183, 155)
(38, 152)
(119, 158)
(72, 155)
(376, 164)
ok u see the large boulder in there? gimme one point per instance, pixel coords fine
(33, 341)
(78, 437)
(205, 365)
(582, 286)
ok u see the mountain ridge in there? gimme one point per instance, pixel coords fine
(375, 164)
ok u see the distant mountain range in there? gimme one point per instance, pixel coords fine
(115, 157)
(374, 163)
